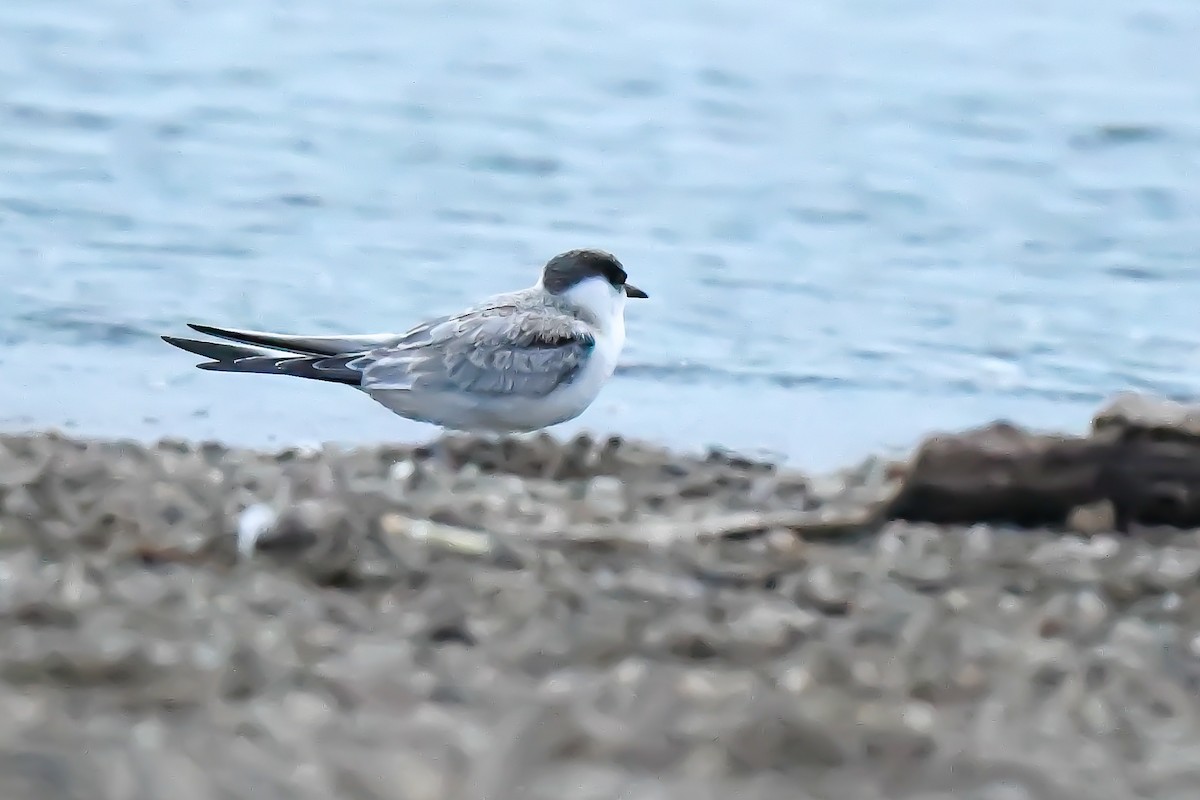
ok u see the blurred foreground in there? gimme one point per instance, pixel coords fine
(522, 619)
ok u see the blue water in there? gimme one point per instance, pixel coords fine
(858, 221)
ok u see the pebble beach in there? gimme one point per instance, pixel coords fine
(590, 618)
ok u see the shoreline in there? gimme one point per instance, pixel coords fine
(394, 622)
(808, 429)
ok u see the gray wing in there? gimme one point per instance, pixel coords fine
(493, 350)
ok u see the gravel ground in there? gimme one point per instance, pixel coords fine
(519, 619)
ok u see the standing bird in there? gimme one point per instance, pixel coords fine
(516, 362)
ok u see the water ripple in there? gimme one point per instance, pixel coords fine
(970, 204)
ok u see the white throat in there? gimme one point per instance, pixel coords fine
(602, 301)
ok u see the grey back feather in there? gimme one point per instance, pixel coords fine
(508, 346)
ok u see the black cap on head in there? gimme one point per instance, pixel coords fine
(568, 269)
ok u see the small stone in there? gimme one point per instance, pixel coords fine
(401, 471)
(825, 589)
(252, 523)
(605, 497)
(773, 629)
(1092, 519)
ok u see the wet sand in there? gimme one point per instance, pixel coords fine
(523, 619)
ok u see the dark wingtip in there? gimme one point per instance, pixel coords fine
(182, 344)
(201, 328)
(216, 352)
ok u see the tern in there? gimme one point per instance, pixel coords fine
(513, 363)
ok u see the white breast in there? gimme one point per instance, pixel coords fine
(605, 304)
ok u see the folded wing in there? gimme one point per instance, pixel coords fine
(491, 351)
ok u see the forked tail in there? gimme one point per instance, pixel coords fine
(316, 358)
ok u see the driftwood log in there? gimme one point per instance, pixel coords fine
(1140, 463)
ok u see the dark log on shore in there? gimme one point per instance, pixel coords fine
(1140, 464)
